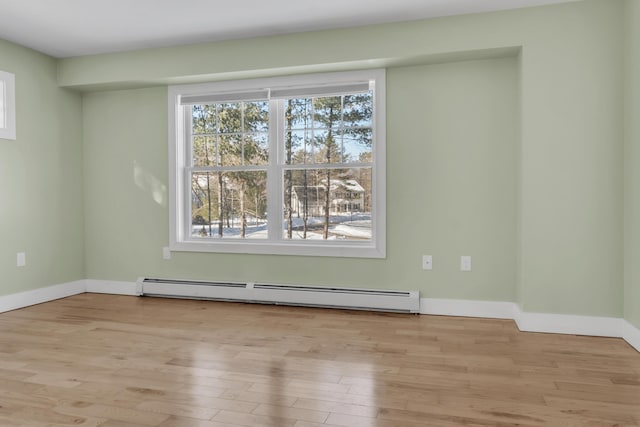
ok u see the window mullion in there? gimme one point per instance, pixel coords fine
(299, 166)
(188, 162)
(274, 173)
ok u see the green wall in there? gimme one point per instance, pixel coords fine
(452, 146)
(505, 142)
(451, 155)
(506, 137)
(41, 210)
(632, 160)
(571, 194)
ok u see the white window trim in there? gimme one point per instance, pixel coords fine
(8, 101)
(179, 199)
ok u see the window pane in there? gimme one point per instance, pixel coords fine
(313, 211)
(327, 112)
(358, 110)
(229, 205)
(204, 151)
(298, 113)
(256, 116)
(229, 150)
(229, 117)
(230, 134)
(203, 119)
(299, 147)
(327, 145)
(356, 145)
(335, 129)
(256, 149)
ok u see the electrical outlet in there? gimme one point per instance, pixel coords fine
(427, 262)
(166, 253)
(465, 263)
(21, 259)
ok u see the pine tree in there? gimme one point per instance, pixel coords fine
(230, 134)
(327, 113)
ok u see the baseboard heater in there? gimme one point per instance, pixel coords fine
(315, 296)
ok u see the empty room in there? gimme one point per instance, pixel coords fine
(294, 214)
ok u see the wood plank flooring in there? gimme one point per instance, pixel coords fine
(118, 361)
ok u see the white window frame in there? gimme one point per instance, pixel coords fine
(180, 189)
(8, 105)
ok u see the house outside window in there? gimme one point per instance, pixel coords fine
(290, 165)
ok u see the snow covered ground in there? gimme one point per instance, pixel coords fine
(347, 227)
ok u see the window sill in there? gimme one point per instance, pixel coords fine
(302, 248)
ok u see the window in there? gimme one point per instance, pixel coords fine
(7, 106)
(288, 165)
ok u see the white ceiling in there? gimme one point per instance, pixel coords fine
(64, 28)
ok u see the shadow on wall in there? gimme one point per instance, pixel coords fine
(277, 377)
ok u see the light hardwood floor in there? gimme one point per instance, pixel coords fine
(104, 360)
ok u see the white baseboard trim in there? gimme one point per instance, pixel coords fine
(54, 292)
(467, 308)
(38, 296)
(631, 334)
(569, 324)
(535, 322)
(526, 322)
(110, 287)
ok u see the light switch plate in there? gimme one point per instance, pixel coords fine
(427, 262)
(21, 259)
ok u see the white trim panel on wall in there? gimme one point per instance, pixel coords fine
(570, 324)
(631, 334)
(63, 290)
(38, 296)
(464, 308)
(535, 322)
(111, 287)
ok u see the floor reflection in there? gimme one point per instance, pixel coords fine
(277, 379)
